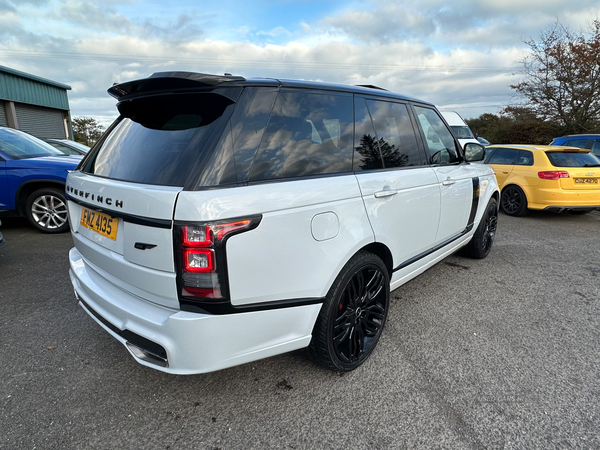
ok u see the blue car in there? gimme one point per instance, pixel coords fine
(591, 141)
(32, 180)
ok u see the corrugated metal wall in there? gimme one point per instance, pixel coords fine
(3, 122)
(41, 122)
(24, 90)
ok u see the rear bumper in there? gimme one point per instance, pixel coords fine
(561, 199)
(180, 342)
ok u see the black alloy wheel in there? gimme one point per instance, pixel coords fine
(353, 315)
(513, 201)
(483, 239)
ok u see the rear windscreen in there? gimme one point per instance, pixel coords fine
(571, 159)
(159, 138)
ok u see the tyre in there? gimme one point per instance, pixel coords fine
(481, 244)
(352, 317)
(513, 201)
(46, 210)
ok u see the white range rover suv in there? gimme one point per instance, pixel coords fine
(221, 220)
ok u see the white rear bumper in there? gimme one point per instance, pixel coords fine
(193, 342)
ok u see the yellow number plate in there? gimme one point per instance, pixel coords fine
(100, 223)
(586, 180)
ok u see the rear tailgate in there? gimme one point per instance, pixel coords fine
(582, 166)
(585, 179)
(124, 231)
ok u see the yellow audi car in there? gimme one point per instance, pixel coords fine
(545, 177)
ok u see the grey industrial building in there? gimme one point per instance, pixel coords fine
(34, 105)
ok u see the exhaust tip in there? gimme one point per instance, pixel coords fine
(147, 356)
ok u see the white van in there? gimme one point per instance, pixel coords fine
(459, 127)
(221, 220)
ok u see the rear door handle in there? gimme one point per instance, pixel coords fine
(386, 193)
(448, 182)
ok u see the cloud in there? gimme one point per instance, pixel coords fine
(393, 22)
(87, 14)
(184, 27)
(460, 54)
(275, 32)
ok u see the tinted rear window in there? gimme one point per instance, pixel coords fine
(159, 140)
(568, 159)
(308, 134)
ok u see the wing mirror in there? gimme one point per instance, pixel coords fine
(474, 152)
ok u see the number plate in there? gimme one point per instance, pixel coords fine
(586, 180)
(100, 223)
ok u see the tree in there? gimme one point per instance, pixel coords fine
(561, 78)
(514, 125)
(86, 130)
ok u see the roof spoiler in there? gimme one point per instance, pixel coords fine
(169, 81)
(371, 86)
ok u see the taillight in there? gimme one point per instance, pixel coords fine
(553, 174)
(201, 259)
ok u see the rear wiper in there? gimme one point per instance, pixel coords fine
(592, 165)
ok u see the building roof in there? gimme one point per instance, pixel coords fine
(34, 78)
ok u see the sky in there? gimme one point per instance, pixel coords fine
(460, 55)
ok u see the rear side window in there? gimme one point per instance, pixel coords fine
(308, 134)
(572, 159)
(160, 138)
(438, 139)
(233, 156)
(505, 156)
(394, 142)
(525, 158)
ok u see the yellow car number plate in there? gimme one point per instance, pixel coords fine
(586, 180)
(100, 223)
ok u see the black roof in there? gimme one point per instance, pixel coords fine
(163, 82)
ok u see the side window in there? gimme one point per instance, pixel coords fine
(525, 158)
(596, 148)
(308, 134)
(438, 139)
(231, 161)
(395, 134)
(579, 143)
(505, 156)
(366, 151)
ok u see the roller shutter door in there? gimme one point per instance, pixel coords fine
(41, 122)
(3, 122)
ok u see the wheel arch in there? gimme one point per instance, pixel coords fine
(524, 189)
(28, 187)
(382, 252)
